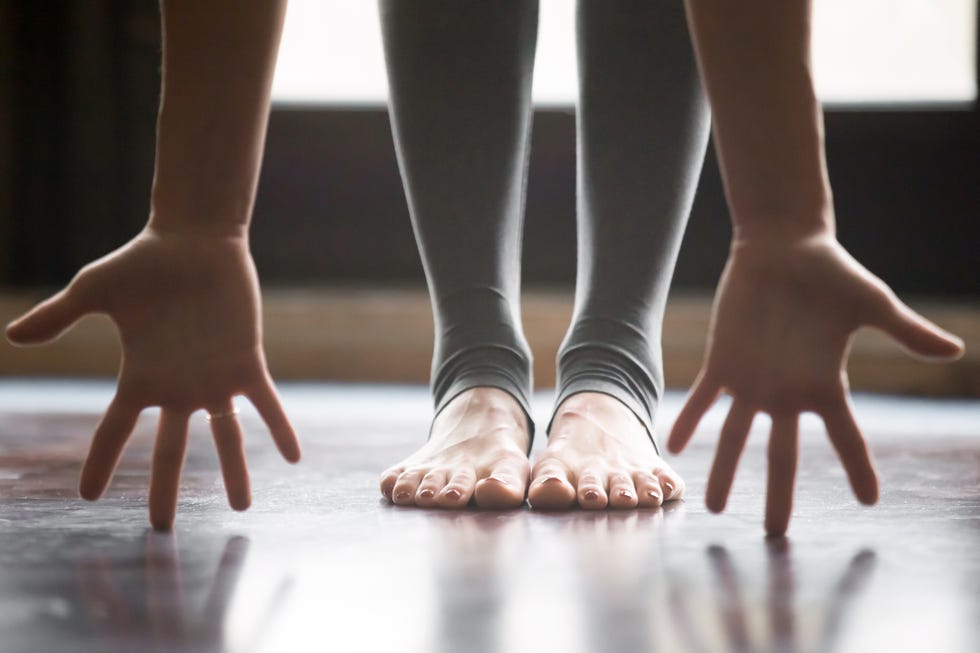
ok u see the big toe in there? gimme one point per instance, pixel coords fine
(551, 489)
(503, 488)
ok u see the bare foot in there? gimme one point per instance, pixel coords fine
(599, 455)
(476, 450)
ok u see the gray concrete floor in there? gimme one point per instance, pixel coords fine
(321, 563)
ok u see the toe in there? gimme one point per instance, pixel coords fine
(431, 485)
(671, 483)
(550, 488)
(405, 488)
(591, 491)
(622, 493)
(388, 479)
(504, 487)
(648, 491)
(459, 489)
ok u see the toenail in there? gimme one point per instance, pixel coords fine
(453, 494)
(402, 495)
(626, 494)
(426, 493)
(500, 480)
(654, 494)
(591, 495)
(668, 486)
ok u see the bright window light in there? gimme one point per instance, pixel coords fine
(865, 51)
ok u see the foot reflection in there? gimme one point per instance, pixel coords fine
(141, 605)
(631, 581)
(620, 559)
(471, 550)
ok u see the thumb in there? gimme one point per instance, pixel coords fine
(915, 333)
(47, 320)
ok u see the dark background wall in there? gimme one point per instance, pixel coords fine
(79, 83)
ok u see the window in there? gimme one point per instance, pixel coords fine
(865, 51)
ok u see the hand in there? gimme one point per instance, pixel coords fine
(188, 312)
(781, 329)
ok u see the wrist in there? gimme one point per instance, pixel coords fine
(231, 232)
(776, 248)
(781, 228)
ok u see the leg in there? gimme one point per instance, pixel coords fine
(642, 130)
(460, 85)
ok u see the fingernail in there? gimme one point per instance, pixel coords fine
(591, 495)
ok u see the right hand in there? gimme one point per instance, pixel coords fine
(188, 310)
(780, 334)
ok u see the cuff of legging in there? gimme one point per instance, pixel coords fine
(615, 391)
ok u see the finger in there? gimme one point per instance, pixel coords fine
(852, 449)
(47, 320)
(107, 444)
(703, 394)
(782, 472)
(227, 434)
(168, 458)
(734, 433)
(267, 402)
(914, 332)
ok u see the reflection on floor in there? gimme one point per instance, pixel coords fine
(319, 563)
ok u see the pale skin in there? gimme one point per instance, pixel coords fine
(787, 306)
(184, 292)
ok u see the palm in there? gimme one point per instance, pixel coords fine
(188, 312)
(778, 343)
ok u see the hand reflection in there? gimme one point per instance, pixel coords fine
(148, 611)
(782, 613)
(641, 589)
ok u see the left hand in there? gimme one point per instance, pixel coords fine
(780, 333)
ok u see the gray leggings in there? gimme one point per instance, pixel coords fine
(460, 99)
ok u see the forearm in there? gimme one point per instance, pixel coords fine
(218, 63)
(754, 58)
